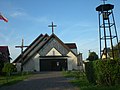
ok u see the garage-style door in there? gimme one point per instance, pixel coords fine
(53, 64)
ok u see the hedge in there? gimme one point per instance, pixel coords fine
(90, 72)
(103, 72)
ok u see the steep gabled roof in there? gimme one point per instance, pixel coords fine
(31, 47)
(43, 42)
(54, 36)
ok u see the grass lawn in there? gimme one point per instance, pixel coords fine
(13, 79)
(81, 81)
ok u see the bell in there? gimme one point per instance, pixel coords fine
(105, 15)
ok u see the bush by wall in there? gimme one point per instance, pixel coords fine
(103, 72)
(107, 72)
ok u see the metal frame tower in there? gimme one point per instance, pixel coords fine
(107, 29)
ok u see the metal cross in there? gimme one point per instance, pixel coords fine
(52, 27)
(22, 46)
(104, 1)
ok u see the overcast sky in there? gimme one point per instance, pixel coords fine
(76, 20)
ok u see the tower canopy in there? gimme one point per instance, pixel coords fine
(104, 7)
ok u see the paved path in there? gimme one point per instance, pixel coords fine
(43, 81)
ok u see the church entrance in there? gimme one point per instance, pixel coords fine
(53, 64)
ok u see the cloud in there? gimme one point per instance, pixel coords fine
(32, 18)
(7, 36)
(17, 14)
(42, 19)
(82, 28)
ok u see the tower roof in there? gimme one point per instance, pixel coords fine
(104, 7)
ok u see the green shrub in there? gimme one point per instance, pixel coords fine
(89, 70)
(107, 72)
(8, 68)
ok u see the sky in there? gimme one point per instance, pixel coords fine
(76, 20)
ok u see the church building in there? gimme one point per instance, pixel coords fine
(49, 53)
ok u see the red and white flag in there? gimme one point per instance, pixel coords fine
(3, 18)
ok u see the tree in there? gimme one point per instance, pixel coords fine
(8, 68)
(92, 56)
(116, 50)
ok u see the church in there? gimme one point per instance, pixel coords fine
(49, 53)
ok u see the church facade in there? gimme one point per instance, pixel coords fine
(49, 53)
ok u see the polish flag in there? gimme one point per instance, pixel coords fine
(3, 18)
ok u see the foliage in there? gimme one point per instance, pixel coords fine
(1, 65)
(103, 72)
(8, 68)
(116, 50)
(14, 78)
(83, 83)
(75, 74)
(92, 56)
(68, 74)
(107, 72)
(89, 70)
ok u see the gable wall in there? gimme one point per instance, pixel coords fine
(53, 44)
(32, 64)
(72, 61)
(37, 63)
(29, 66)
(53, 52)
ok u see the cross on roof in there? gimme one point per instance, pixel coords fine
(52, 27)
(104, 1)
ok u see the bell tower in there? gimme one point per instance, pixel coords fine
(107, 30)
